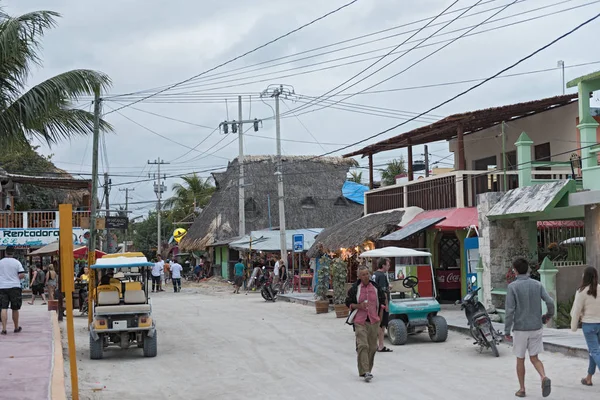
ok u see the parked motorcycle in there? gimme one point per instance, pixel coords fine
(268, 292)
(480, 324)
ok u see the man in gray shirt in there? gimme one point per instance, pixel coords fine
(524, 317)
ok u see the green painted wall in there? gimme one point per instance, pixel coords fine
(222, 258)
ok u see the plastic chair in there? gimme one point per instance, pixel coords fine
(297, 284)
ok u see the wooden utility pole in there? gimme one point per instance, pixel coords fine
(126, 190)
(107, 247)
(94, 196)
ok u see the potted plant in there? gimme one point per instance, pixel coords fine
(339, 270)
(322, 302)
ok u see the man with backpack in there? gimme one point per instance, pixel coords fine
(38, 283)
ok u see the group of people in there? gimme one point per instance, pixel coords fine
(163, 271)
(279, 275)
(42, 279)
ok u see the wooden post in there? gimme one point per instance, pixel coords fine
(371, 171)
(461, 148)
(410, 163)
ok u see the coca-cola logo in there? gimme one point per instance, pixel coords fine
(451, 277)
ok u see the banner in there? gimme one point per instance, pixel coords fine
(38, 237)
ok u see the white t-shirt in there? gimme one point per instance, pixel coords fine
(158, 268)
(276, 269)
(176, 269)
(10, 268)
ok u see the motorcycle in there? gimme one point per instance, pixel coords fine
(480, 324)
(268, 292)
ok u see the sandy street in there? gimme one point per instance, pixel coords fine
(223, 346)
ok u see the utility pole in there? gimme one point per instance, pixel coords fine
(561, 64)
(426, 161)
(159, 189)
(276, 92)
(126, 190)
(237, 127)
(107, 182)
(504, 166)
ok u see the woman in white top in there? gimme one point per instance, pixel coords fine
(586, 309)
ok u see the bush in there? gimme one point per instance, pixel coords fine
(339, 270)
(563, 315)
(324, 277)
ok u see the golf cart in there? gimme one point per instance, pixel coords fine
(413, 306)
(122, 310)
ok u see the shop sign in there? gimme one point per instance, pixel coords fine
(19, 237)
(448, 279)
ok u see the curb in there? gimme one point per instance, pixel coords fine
(549, 347)
(57, 385)
(303, 302)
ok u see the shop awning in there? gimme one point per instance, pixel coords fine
(412, 229)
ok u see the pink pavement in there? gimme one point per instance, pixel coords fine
(26, 357)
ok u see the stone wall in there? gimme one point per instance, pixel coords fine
(568, 280)
(592, 235)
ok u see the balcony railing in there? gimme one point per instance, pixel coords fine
(37, 219)
(455, 189)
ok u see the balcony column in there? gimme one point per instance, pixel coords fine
(57, 219)
(461, 148)
(371, 171)
(524, 159)
(410, 163)
(25, 220)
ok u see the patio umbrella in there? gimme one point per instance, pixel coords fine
(81, 252)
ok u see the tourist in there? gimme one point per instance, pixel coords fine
(380, 277)
(176, 269)
(38, 281)
(167, 271)
(157, 270)
(11, 273)
(524, 314)
(238, 279)
(586, 309)
(366, 302)
(276, 269)
(51, 281)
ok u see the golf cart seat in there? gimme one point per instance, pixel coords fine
(109, 302)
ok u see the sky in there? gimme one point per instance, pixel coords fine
(146, 44)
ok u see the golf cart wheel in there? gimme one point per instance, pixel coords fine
(151, 345)
(438, 329)
(96, 347)
(494, 349)
(397, 332)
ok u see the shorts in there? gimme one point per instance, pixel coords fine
(238, 280)
(37, 290)
(11, 297)
(384, 319)
(528, 341)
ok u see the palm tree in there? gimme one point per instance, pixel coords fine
(393, 169)
(194, 193)
(46, 110)
(355, 176)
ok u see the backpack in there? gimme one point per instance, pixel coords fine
(40, 278)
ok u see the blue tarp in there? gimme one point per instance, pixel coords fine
(354, 191)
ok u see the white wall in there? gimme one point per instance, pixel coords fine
(557, 126)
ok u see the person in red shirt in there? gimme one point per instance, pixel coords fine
(367, 302)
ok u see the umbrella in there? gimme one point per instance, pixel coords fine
(81, 253)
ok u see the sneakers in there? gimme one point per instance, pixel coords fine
(368, 377)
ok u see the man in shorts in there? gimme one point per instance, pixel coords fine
(380, 277)
(524, 317)
(238, 279)
(11, 273)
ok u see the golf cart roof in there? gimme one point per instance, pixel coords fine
(394, 252)
(122, 260)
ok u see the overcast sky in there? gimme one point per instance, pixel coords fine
(145, 44)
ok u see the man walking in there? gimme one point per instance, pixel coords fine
(380, 277)
(38, 284)
(11, 273)
(524, 316)
(276, 272)
(238, 279)
(176, 269)
(366, 302)
(157, 270)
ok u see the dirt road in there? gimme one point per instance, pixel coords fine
(224, 346)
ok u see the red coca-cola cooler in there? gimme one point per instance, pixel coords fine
(448, 283)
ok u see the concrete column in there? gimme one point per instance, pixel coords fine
(524, 145)
(592, 235)
(459, 189)
(405, 196)
(461, 234)
(548, 279)
(587, 127)
(479, 271)
(25, 220)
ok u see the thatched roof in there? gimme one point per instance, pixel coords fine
(355, 232)
(312, 191)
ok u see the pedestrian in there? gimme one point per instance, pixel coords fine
(167, 271)
(38, 280)
(586, 309)
(176, 269)
(156, 272)
(51, 281)
(276, 269)
(11, 273)
(524, 318)
(380, 277)
(238, 279)
(366, 302)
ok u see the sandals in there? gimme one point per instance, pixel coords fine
(3, 333)
(19, 329)
(385, 350)
(546, 387)
(520, 393)
(584, 382)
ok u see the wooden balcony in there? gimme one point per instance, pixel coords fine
(37, 219)
(455, 189)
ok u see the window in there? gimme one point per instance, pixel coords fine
(449, 252)
(341, 201)
(308, 202)
(542, 153)
(251, 209)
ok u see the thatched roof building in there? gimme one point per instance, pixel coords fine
(312, 191)
(355, 232)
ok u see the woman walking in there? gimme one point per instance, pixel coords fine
(587, 310)
(51, 282)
